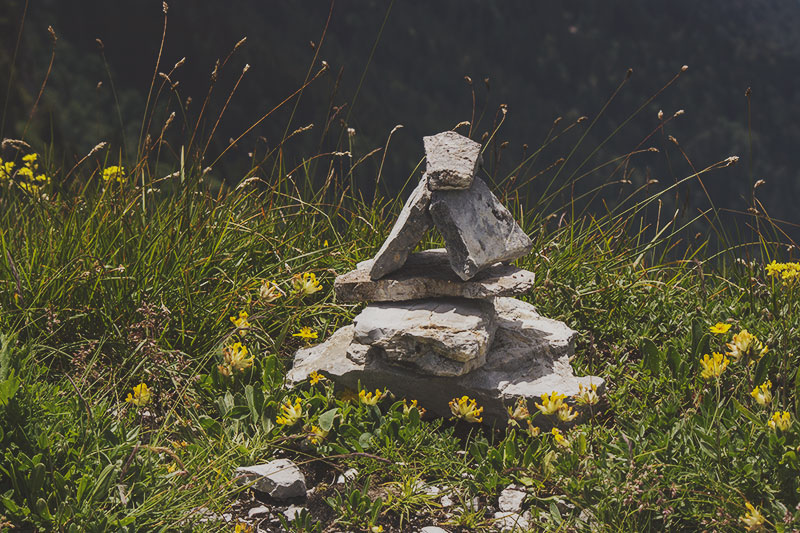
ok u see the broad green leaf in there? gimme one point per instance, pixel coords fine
(651, 357)
(326, 419)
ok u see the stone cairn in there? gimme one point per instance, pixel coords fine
(441, 323)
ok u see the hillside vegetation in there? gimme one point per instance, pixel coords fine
(149, 312)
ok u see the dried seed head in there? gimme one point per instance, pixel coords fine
(240, 43)
(486, 81)
(351, 132)
(748, 92)
(684, 68)
(398, 127)
(462, 123)
(97, 148)
(246, 68)
(673, 139)
(652, 149)
(629, 74)
(732, 160)
(180, 63)
(100, 43)
(99, 85)
(678, 113)
(165, 7)
(52, 33)
(503, 145)
(312, 44)
(468, 80)
(758, 184)
(581, 119)
(556, 121)
(660, 115)
(17, 144)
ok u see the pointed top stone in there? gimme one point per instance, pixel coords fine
(452, 160)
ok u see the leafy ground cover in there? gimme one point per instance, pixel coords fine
(145, 336)
(148, 317)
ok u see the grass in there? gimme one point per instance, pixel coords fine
(108, 284)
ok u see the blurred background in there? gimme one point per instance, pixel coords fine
(429, 66)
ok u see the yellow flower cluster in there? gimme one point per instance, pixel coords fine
(762, 394)
(235, 359)
(408, 407)
(787, 272)
(315, 377)
(753, 519)
(369, 398)
(305, 284)
(241, 322)
(746, 346)
(559, 438)
(141, 395)
(553, 404)
(465, 408)
(316, 435)
(587, 395)
(290, 413)
(780, 420)
(269, 292)
(518, 413)
(713, 366)
(29, 177)
(114, 173)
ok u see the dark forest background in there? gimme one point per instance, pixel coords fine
(543, 59)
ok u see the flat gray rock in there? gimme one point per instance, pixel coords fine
(281, 478)
(428, 274)
(510, 522)
(410, 226)
(512, 498)
(442, 337)
(538, 369)
(478, 230)
(452, 160)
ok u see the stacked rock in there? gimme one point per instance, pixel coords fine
(441, 323)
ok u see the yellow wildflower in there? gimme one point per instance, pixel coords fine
(763, 393)
(713, 366)
(746, 345)
(551, 403)
(25, 172)
(30, 158)
(305, 283)
(532, 430)
(171, 468)
(559, 438)
(29, 187)
(780, 420)
(518, 413)
(315, 377)
(241, 527)
(269, 292)
(368, 398)
(720, 328)
(241, 322)
(786, 271)
(316, 435)
(753, 519)
(467, 409)
(291, 413)
(6, 169)
(114, 173)
(236, 357)
(408, 407)
(141, 395)
(566, 414)
(376, 529)
(587, 395)
(306, 333)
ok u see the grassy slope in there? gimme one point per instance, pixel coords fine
(100, 294)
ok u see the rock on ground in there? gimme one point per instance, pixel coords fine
(495, 386)
(478, 230)
(511, 498)
(280, 479)
(410, 226)
(442, 337)
(510, 521)
(428, 274)
(451, 159)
